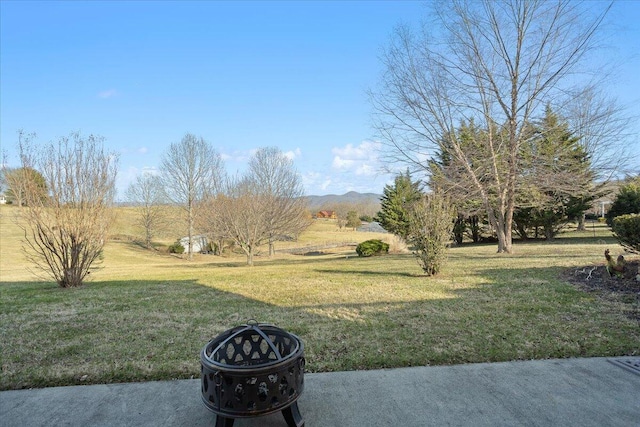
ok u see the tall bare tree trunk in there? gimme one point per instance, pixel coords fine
(495, 65)
(192, 171)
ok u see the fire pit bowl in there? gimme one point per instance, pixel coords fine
(252, 370)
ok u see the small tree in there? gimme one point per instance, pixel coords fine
(396, 199)
(147, 194)
(23, 179)
(353, 220)
(341, 210)
(431, 222)
(18, 180)
(66, 230)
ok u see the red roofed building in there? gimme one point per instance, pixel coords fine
(326, 214)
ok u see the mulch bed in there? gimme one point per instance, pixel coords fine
(596, 279)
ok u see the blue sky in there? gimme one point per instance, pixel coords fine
(242, 75)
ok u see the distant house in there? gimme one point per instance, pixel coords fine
(200, 244)
(3, 200)
(326, 214)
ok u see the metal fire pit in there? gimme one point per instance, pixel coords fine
(252, 370)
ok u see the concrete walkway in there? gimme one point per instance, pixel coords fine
(568, 392)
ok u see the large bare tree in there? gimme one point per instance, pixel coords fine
(65, 229)
(264, 205)
(496, 64)
(191, 170)
(237, 214)
(284, 206)
(147, 194)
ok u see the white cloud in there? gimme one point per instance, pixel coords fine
(291, 155)
(340, 163)
(325, 184)
(366, 150)
(143, 150)
(360, 160)
(109, 93)
(316, 183)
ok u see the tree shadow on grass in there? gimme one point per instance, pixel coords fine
(369, 273)
(289, 261)
(113, 331)
(118, 331)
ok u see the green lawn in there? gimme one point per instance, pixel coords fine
(146, 315)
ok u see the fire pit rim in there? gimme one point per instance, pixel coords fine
(231, 333)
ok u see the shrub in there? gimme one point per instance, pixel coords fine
(627, 201)
(176, 248)
(372, 247)
(627, 230)
(396, 244)
(430, 231)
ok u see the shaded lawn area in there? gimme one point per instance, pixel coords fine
(351, 313)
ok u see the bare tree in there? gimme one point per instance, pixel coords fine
(495, 64)
(17, 180)
(208, 220)
(147, 194)
(263, 206)
(239, 215)
(284, 206)
(3, 168)
(341, 210)
(66, 229)
(191, 170)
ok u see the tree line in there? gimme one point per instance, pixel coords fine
(262, 206)
(67, 189)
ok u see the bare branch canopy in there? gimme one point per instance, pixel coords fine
(497, 65)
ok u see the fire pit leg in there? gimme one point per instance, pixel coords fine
(224, 421)
(292, 416)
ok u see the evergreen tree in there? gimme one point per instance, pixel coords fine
(448, 178)
(395, 201)
(556, 184)
(627, 200)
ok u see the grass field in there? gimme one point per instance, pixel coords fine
(146, 315)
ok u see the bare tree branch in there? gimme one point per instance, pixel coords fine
(191, 170)
(497, 64)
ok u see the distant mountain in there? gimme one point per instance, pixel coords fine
(329, 201)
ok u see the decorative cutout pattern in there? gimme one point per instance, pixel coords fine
(252, 370)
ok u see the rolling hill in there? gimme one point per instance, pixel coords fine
(330, 201)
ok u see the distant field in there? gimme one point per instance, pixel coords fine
(145, 315)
